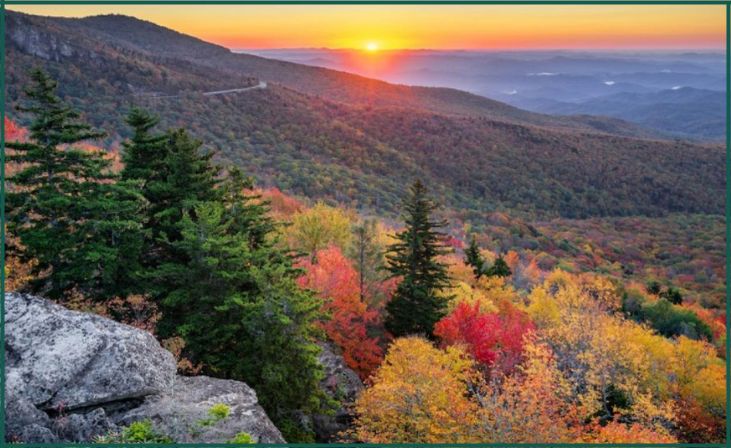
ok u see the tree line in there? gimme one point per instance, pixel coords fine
(192, 238)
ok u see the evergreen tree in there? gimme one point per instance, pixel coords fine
(653, 287)
(67, 208)
(173, 176)
(144, 154)
(474, 258)
(499, 269)
(240, 311)
(416, 305)
(672, 295)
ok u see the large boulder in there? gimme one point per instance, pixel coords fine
(73, 376)
(180, 413)
(343, 385)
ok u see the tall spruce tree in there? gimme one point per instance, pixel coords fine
(417, 305)
(238, 307)
(66, 206)
(499, 269)
(173, 175)
(474, 258)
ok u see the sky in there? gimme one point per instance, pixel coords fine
(376, 27)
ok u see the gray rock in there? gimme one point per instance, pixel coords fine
(73, 376)
(180, 413)
(344, 385)
(83, 427)
(37, 434)
(64, 360)
(24, 418)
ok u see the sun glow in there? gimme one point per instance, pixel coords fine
(372, 47)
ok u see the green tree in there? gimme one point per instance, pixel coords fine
(70, 212)
(173, 175)
(672, 295)
(499, 269)
(653, 287)
(239, 309)
(473, 258)
(416, 305)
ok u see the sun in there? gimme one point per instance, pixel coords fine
(372, 47)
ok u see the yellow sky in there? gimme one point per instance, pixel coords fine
(434, 27)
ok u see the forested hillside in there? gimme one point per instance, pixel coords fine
(462, 333)
(491, 275)
(345, 138)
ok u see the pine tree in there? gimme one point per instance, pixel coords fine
(499, 269)
(173, 175)
(416, 305)
(474, 259)
(144, 154)
(68, 209)
(240, 311)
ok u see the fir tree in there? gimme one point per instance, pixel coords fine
(499, 269)
(416, 305)
(240, 311)
(144, 154)
(66, 206)
(474, 258)
(173, 175)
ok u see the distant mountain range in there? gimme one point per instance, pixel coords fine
(561, 82)
(333, 135)
(684, 112)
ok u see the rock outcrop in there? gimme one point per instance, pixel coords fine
(344, 385)
(73, 376)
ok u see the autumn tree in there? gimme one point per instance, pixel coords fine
(535, 405)
(84, 234)
(318, 227)
(336, 282)
(418, 395)
(367, 252)
(416, 305)
(495, 339)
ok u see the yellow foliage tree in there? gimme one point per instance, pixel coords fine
(318, 227)
(418, 395)
(532, 406)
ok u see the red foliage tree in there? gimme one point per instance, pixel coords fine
(494, 339)
(13, 132)
(335, 279)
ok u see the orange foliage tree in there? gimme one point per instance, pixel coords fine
(336, 281)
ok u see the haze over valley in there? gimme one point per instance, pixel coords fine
(680, 93)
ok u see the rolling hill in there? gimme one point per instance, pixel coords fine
(341, 137)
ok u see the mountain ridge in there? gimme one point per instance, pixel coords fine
(364, 146)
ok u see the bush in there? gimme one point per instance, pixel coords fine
(242, 438)
(669, 320)
(218, 412)
(137, 432)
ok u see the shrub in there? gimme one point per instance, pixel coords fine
(137, 432)
(242, 438)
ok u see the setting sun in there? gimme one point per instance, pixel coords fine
(372, 46)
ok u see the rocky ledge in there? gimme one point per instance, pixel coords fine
(72, 376)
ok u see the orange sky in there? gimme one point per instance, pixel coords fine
(434, 27)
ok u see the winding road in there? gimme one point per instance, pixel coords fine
(261, 85)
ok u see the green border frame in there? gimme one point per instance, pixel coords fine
(727, 3)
